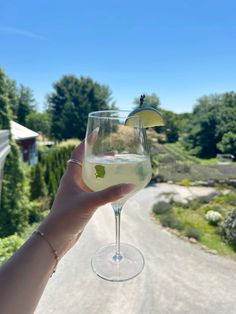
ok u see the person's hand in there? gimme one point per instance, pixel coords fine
(75, 204)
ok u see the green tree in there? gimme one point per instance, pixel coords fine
(73, 98)
(13, 96)
(151, 100)
(170, 128)
(184, 119)
(228, 143)
(39, 122)
(38, 186)
(5, 112)
(213, 116)
(15, 197)
(26, 104)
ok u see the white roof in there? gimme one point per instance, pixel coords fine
(20, 132)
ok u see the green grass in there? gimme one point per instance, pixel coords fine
(209, 236)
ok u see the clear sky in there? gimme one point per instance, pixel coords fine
(179, 50)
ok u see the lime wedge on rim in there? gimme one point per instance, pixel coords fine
(148, 116)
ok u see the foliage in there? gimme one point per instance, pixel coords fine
(161, 208)
(5, 112)
(185, 182)
(171, 128)
(192, 232)
(39, 122)
(169, 220)
(15, 102)
(36, 213)
(54, 163)
(184, 119)
(8, 246)
(228, 143)
(213, 217)
(151, 100)
(70, 142)
(192, 217)
(38, 185)
(213, 116)
(229, 228)
(26, 104)
(71, 101)
(15, 196)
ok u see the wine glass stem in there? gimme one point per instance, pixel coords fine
(117, 256)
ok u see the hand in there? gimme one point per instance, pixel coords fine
(75, 204)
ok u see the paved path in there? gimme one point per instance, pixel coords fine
(178, 276)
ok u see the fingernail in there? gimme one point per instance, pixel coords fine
(127, 188)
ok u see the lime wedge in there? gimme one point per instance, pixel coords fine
(148, 115)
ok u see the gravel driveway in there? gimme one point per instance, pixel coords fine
(178, 277)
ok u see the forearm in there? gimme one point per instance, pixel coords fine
(24, 276)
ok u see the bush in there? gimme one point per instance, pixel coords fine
(169, 220)
(206, 198)
(213, 217)
(161, 208)
(8, 246)
(192, 232)
(168, 159)
(229, 229)
(35, 212)
(185, 182)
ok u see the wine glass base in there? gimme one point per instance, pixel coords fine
(107, 266)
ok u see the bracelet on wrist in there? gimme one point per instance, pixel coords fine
(42, 235)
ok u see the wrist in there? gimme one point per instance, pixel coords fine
(60, 241)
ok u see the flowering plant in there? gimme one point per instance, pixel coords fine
(213, 217)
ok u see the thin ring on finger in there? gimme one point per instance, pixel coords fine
(75, 161)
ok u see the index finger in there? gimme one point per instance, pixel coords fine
(78, 153)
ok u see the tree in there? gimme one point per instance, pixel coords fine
(39, 122)
(5, 111)
(26, 104)
(151, 100)
(73, 98)
(14, 209)
(170, 128)
(213, 116)
(13, 96)
(38, 185)
(228, 143)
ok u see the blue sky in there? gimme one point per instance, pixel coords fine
(179, 50)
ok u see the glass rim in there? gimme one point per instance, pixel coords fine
(98, 114)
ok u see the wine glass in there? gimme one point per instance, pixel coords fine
(118, 155)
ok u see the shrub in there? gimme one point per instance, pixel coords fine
(8, 246)
(194, 204)
(35, 212)
(229, 229)
(185, 182)
(213, 217)
(206, 198)
(168, 159)
(192, 232)
(169, 220)
(161, 208)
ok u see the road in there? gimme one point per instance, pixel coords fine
(178, 277)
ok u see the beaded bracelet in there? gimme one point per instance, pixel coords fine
(42, 235)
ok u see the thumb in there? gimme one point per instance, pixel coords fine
(110, 194)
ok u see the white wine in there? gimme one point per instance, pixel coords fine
(100, 172)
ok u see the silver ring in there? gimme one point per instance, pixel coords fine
(75, 161)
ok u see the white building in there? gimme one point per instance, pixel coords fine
(26, 139)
